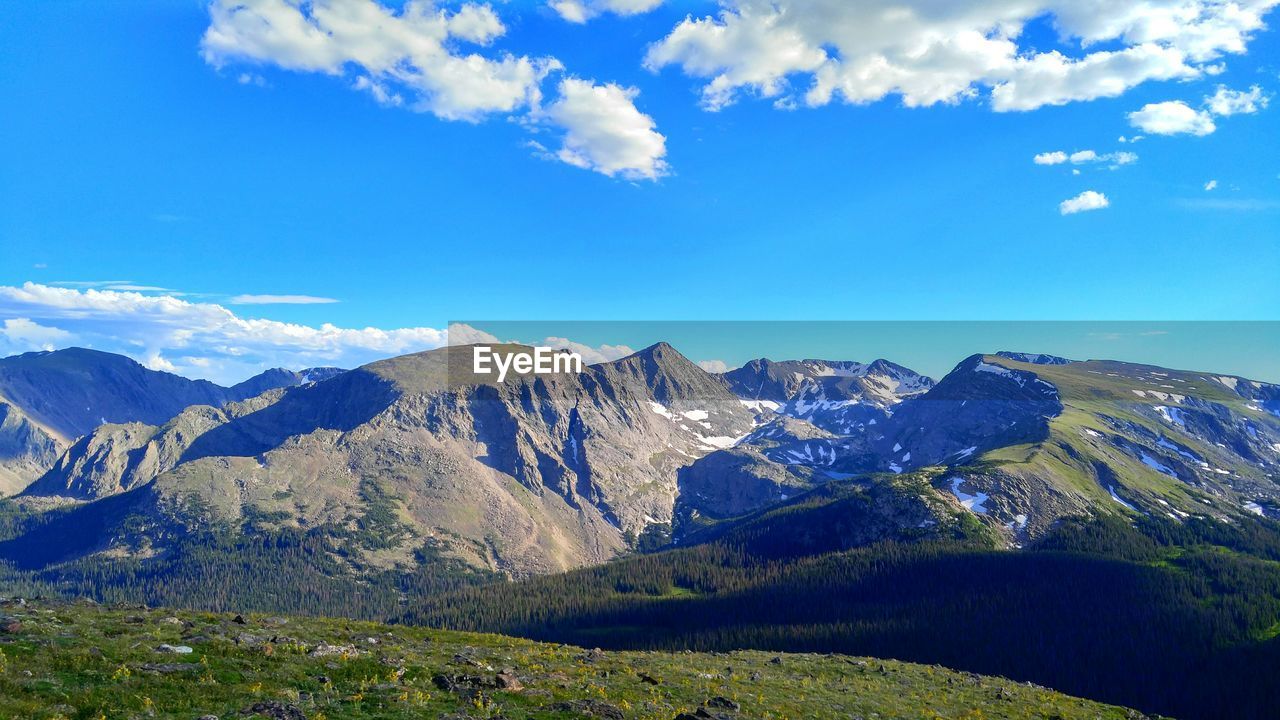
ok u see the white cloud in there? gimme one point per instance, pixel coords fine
(1120, 158)
(1172, 118)
(1056, 157)
(1211, 186)
(927, 52)
(152, 328)
(464, 334)
(1226, 102)
(714, 366)
(1084, 202)
(603, 131)
(590, 354)
(1176, 117)
(22, 334)
(415, 57)
(280, 300)
(1085, 157)
(580, 11)
(415, 48)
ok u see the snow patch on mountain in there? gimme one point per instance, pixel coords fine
(660, 409)
(975, 502)
(1156, 465)
(1112, 490)
(1001, 371)
(761, 405)
(1172, 415)
(1170, 446)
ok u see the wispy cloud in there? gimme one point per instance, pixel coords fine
(1231, 204)
(120, 285)
(1086, 157)
(280, 300)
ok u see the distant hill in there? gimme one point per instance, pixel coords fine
(48, 399)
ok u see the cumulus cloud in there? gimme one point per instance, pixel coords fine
(590, 354)
(1056, 157)
(464, 334)
(1084, 202)
(439, 61)
(156, 328)
(414, 48)
(1176, 117)
(714, 366)
(605, 132)
(815, 51)
(23, 334)
(280, 300)
(1172, 118)
(1226, 102)
(580, 11)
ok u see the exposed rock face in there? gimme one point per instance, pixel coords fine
(840, 396)
(821, 420)
(1030, 439)
(536, 474)
(546, 472)
(26, 448)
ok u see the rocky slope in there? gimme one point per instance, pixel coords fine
(812, 413)
(543, 473)
(841, 397)
(534, 475)
(1031, 439)
(49, 399)
(27, 448)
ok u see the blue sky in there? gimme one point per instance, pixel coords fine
(138, 154)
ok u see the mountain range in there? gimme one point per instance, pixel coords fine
(409, 489)
(543, 474)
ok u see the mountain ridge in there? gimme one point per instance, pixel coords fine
(55, 397)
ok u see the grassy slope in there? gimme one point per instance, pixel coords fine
(1095, 388)
(81, 661)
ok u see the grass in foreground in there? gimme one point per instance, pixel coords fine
(88, 662)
